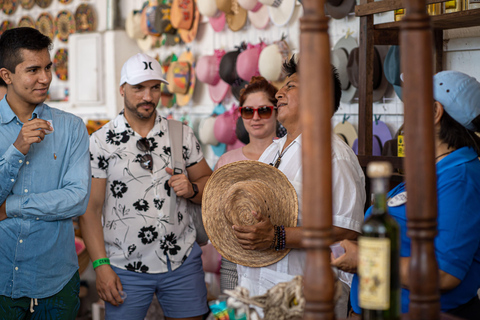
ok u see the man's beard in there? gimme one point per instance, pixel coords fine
(135, 111)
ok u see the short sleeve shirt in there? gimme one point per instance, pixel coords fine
(137, 231)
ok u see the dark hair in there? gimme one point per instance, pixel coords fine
(457, 136)
(2, 83)
(290, 67)
(259, 84)
(13, 40)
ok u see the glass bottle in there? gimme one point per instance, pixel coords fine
(399, 14)
(452, 6)
(401, 146)
(434, 9)
(472, 4)
(379, 253)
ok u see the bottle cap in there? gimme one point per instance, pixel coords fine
(379, 169)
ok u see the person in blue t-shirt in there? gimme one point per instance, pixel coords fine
(457, 245)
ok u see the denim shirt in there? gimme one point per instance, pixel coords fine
(43, 190)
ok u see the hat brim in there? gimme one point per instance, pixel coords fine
(218, 91)
(348, 44)
(236, 21)
(341, 11)
(228, 199)
(184, 99)
(218, 23)
(281, 15)
(381, 130)
(260, 18)
(347, 130)
(379, 92)
(189, 35)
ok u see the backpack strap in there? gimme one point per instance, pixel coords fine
(175, 132)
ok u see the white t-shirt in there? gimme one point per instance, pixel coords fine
(136, 227)
(348, 205)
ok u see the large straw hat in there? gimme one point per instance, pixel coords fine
(232, 193)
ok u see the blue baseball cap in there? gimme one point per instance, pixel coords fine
(459, 95)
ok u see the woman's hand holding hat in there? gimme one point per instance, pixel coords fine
(255, 237)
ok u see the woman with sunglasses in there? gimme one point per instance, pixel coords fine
(259, 115)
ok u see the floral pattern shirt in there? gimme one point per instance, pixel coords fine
(137, 231)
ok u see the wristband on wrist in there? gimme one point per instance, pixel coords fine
(100, 262)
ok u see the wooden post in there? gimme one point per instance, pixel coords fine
(316, 101)
(416, 39)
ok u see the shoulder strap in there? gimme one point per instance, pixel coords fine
(175, 132)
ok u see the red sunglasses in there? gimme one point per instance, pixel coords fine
(264, 112)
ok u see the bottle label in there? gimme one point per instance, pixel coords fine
(400, 146)
(451, 4)
(374, 273)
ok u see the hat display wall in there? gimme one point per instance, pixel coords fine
(26, 21)
(380, 130)
(27, 4)
(228, 71)
(85, 18)
(347, 132)
(281, 11)
(339, 9)
(9, 6)
(207, 70)
(218, 22)
(6, 25)
(132, 25)
(380, 83)
(236, 17)
(207, 8)
(271, 60)
(247, 61)
(181, 78)
(392, 70)
(231, 194)
(340, 54)
(46, 25)
(205, 131)
(182, 14)
(65, 25)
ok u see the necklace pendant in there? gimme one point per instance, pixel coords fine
(277, 163)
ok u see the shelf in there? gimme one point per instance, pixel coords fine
(455, 20)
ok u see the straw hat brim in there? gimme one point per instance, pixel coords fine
(183, 99)
(232, 193)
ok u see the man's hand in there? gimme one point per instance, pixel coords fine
(255, 237)
(108, 285)
(180, 183)
(32, 132)
(348, 261)
(3, 211)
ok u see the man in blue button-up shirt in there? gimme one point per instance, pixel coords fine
(44, 182)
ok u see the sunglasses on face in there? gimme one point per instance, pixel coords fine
(264, 112)
(146, 161)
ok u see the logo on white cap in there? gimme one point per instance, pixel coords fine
(141, 68)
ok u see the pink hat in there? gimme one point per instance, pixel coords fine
(247, 61)
(225, 125)
(259, 18)
(218, 22)
(207, 72)
(251, 5)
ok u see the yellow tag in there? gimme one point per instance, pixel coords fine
(451, 4)
(374, 273)
(400, 146)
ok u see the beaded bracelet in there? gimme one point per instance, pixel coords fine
(281, 239)
(100, 262)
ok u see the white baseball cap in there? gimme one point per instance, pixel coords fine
(140, 68)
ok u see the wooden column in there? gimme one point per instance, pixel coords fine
(416, 40)
(365, 88)
(316, 101)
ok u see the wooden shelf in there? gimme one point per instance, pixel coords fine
(455, 20)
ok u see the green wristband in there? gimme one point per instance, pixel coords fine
(100, 262)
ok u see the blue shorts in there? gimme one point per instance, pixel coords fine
(181, 293)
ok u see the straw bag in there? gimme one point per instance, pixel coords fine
(175, 131)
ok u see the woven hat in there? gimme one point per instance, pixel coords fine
(232, 193)
(281, 11)
(132, 25)
(346, 131)
(182, 14)
(339, 9)
(65, 25)
(207, 72)
(271, 60)
(380, 83)
(181, 77)
(237, 17)
(259, 18)
(247, 61)
(340, 55)
(188, 35)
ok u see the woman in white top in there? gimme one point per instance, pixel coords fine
(259, 115)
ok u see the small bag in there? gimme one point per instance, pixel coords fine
(175, 131)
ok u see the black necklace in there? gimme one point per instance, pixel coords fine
(444, 154)
(279, 158)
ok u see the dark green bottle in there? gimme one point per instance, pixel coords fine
(379, 253)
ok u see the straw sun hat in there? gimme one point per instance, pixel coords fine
(232, 193)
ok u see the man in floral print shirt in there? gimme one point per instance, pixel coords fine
(128, 219)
